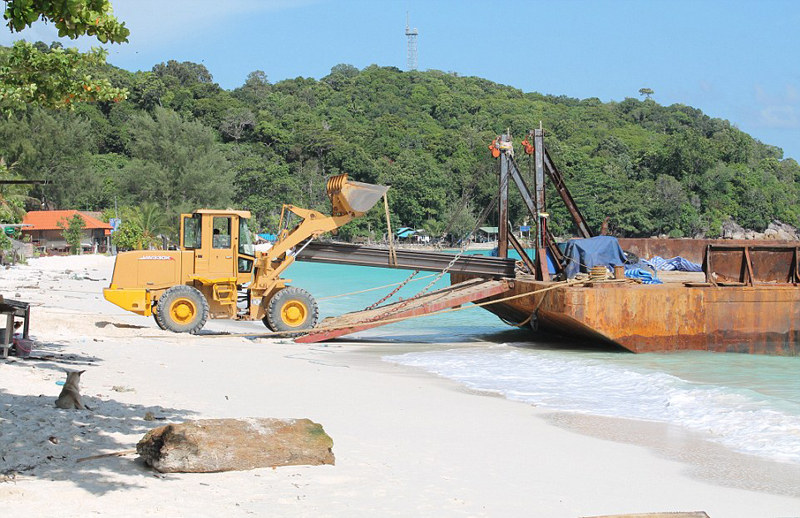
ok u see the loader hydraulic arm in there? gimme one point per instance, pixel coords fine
(270, 265)
(348, 199)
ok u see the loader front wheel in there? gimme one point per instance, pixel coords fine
(182, 309)
(158, 319)
(291, 309)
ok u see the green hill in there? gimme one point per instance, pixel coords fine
(181, 142)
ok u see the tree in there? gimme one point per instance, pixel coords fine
(236, 123)
(255, 88)
(150, 217)
(55, 77)
(72, 18)
(12, 197)
(54, 147)
(646, 92)
(458, 220)
(72, 231)
(128, 236)
(176, 163)
(141, 228)
(184, 143)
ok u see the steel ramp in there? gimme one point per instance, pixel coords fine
(451, 296)
(360, 255)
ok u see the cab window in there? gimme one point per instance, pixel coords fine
(246, 247)
(222, 232)
(191, 232)
(245, 239)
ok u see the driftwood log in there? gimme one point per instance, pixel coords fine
(210, 445)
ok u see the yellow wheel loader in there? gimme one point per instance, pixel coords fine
(217, 273)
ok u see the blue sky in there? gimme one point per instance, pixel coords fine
(732, 59)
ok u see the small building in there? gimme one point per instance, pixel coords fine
(411, 235)
(405, 233)
(487, 234)
(47, 236)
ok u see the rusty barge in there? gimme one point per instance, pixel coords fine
(758, 317)
(747, 298)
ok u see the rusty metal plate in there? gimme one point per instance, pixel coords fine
(751, 265)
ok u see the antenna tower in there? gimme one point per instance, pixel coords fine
(411, 54)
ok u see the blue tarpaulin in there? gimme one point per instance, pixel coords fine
(268, 237)
(404, 232)
(675, 264)
(582, 254)
(646, 276)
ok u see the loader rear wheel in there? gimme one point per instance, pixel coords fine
(182, 309)
(291, 309)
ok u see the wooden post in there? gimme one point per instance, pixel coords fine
(390, 236)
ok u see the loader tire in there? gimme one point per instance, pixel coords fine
(159, 323)
(182, 309)
(291, 309)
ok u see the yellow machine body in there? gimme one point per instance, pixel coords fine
(217, 256)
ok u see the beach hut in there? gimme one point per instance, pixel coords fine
(46, 230)
(487, 234)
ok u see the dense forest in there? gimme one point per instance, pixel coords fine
(179, 142)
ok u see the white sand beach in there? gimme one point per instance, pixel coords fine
(406, 443)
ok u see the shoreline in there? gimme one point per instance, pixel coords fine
(406, 442)
(705, 460)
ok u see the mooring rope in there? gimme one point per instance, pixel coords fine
(375, 288)
(316, 330)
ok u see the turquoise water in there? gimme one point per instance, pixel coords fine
(748, 403)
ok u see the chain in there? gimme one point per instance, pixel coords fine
(465, 244)
(387, 297)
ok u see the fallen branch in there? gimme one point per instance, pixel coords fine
(104, 455)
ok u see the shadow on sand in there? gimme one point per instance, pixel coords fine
(38, 440)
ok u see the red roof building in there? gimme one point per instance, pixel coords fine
(46, 234)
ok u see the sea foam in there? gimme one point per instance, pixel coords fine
(736, 417)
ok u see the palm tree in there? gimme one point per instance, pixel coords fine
(152, 219)
(12, 196)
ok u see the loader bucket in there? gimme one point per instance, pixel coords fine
(356, 197)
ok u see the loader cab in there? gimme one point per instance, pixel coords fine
(221, 242)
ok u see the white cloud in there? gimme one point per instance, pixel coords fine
(156, 23)
(784, 116)
(777, 109)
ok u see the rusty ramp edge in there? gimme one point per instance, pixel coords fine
(454, 295)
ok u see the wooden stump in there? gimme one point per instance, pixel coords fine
(210, 445)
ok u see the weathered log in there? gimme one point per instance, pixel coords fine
(210, 445)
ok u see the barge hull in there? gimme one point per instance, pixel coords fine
(761, 319)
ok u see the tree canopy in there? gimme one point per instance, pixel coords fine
(55, 77)
(181, 142)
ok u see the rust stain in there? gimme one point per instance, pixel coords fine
(760, 319)
(691, 249)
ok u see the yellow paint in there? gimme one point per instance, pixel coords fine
(135, 300)
(182, 310)
(211, 259)
(294, 313)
